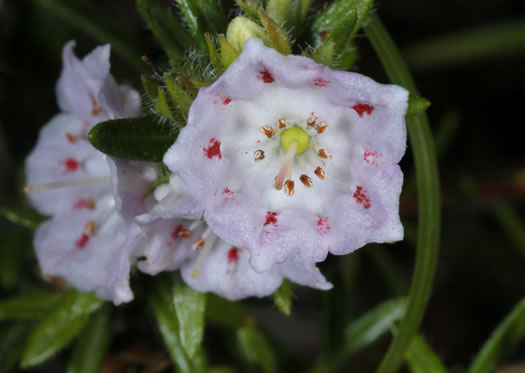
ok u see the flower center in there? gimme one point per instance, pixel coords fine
(296, 135)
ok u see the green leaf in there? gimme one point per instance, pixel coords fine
(12, 341)
(372, 325)
(179, 96)
(94, 21)
(28, 307)
(166, 27)
(422, 359)
(150, 86)
(249, 11)
(416, 105)
(511, 222)
(59, 327)
(501, 342)
(325, 53)
(25, 217)
(278, 38)
(228, 52)
(162, 106)
(256, 349)
(334, 14)
(225, 313)
(212, 50)
(92, 344)
(190, 308)
(279, 10)
(283, 298)
(162, 305)
(141, 139)
(429, 213)
(203, 16)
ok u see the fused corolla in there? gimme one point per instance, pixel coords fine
(291, 160)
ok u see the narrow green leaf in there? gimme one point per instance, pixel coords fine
(282, 298)
(59, 327)
(212, 51)
(501, 342)
(150, 86)
(162, 106)
(162, 305)
(325, 53)
(166, 27)
(190, 308)
(90, 19)
(141, 139)
(416, 105)
(92, 344)
(203, 16)
(179, 96)
(249, 11)
(279, 10)
(429, 213)
(28, 307)
(278, 38)
(12, 341)
(422, 359)
(255, 348)
(334, 14)
(225, 313)
(511, 222)
(228, 52)
(25, 217)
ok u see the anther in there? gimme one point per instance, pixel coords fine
(306, 180)
(90, 204)
(198, 244)
(321, 127)
(289, 187)
(204, 251)
(96, 110)
(321, 174)
(268, 130)
(258, 155)
(89, 228)
(71, 138)
(311, 121)
(282, 123)
(184, 233)
(324, 154)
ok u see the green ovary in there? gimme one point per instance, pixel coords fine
(297, 135)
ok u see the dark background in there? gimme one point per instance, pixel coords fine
(480, 100)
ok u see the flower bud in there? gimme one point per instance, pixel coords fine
(241, 29)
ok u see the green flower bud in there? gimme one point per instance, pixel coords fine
(241, 29)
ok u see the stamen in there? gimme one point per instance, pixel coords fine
(285, 167)
(306, 180)
(258, 155)
(268, 130)
(325, 154)
(321, 174)
(311, 121)
(60, 184)
(71, 138)
(198, 244)
(96, 110)
(289, 187)
(321, 127)
(203, 253)
(89, 228)
(282, 123)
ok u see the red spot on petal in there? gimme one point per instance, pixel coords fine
(82, 241)
(233, 255)
(227, 191)
(266, 76)
(320, 82)
(361, 197)
(71, 164)
(213, 149)
(271, 218)
(322, 226)
(226, 100)
(178, 230)
(361, 109)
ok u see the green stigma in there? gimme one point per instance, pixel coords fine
(297, 135)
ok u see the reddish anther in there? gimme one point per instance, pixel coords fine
(213, 149)
(266, 76)
(361, 109)
(361, 197)
(271, 218)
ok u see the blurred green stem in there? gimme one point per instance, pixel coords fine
(512, 224)
(427, 179)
